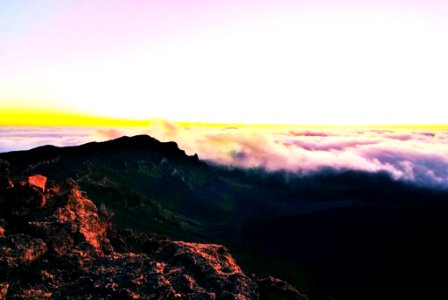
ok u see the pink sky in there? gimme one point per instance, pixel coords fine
(60, 30)
(103, 57)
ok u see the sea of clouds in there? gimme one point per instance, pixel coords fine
(419, 156)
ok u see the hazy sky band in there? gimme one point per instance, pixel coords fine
(228, 61)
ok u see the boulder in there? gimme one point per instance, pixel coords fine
(38, 181)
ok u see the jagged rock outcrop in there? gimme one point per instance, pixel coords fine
(271, 288)
(57, 243)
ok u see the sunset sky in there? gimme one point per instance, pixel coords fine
(235, 61)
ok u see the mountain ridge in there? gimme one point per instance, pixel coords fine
(125, 142)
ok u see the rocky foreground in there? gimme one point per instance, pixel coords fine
(57, 243)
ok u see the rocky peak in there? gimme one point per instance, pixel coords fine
(80, 215)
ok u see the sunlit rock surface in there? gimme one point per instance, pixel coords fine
(57, 243)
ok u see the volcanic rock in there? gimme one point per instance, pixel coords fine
(274, 288)
(20, 250)
(3, 289)
(66, 247)
(38, 181)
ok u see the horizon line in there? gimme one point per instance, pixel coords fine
(35, 119)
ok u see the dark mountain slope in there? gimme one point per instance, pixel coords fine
(140, 178)
(333, 234)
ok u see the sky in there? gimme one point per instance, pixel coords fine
(235, 61)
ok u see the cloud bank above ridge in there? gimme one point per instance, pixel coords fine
(412, 155)
(419, 156)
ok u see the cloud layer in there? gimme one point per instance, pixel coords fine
(411, 155)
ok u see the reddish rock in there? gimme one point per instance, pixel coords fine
(67, 248)
(274, 288)
(38, 181)
(82, 213)
(20, 250)
(3, 290)
(23, 201)
(214, 262)
(74, 223)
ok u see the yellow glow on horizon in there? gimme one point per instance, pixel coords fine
(49, 118)
(21, 117)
